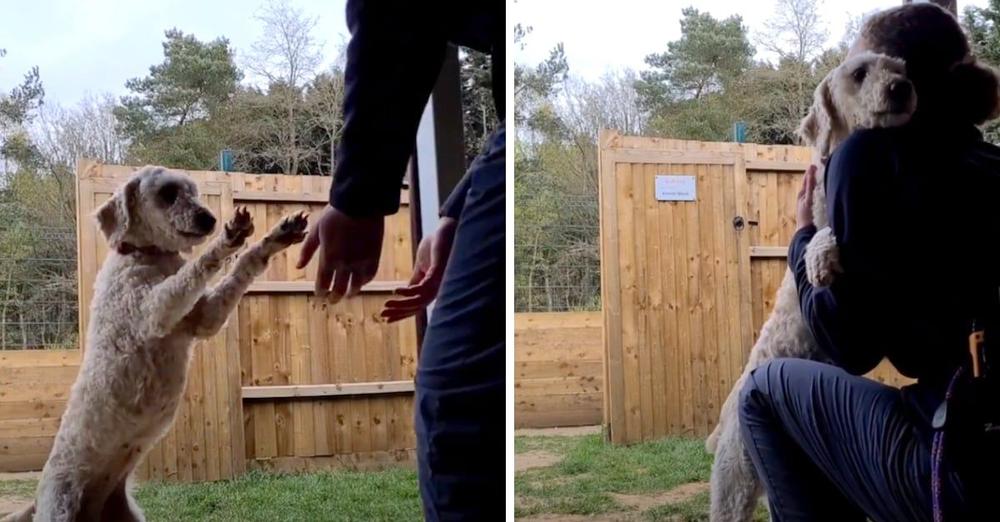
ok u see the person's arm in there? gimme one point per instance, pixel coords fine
(393, 60)
(453, 206)
(844, 317)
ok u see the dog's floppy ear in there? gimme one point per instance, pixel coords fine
(114, 215)
(822, 124)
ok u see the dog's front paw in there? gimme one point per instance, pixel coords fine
(291, 230)
(239, 228)
(822, 258)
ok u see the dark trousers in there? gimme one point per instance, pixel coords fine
(460, 376)
(834, 446)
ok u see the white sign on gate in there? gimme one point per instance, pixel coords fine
(675, 188)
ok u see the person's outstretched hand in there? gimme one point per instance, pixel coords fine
(349, 251)
(428, 271)
(804, 214)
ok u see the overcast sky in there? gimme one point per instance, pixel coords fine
(94, 46)
(602, 36)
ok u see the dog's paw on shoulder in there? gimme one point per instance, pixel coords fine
(822, 258)
(291, 229)
(239, 228)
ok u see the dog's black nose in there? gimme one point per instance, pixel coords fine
(204, 220)
(900, 91)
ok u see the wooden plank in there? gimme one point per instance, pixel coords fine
(757, 251)
(696, 315)
(196, 392)
(630, 301)
(524, 321)
(295, 197)
(742, 194)
(614, 417)
(370, 461)
(307, 287)
(642, 189)
(636, 156)
(284, 420)
(378, 369)
(27, 376)
(37, 358)
(558, 418)
(26, 391)
(360, 407)
(669, 345)
(559, 368)
(15, 428)
(23, 462)
(655, 335)
(327, 390)
(319, 372)
(734, 256)
(339, 411)
(33, 409)
(213, 447)
(265, 436)
(779, 166)
(558, 385)
(710, 215)
(303, 430)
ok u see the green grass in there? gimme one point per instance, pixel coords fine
(385, 496)
(591, 469)
(17, 488)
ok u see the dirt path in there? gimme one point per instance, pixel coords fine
(534, 459)
(637, 503)
(677, 495)
(10, 504)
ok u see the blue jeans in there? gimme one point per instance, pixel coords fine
(834, 446)
(460, 375)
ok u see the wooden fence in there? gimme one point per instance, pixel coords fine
(686, 285)
(559, 375)
(290, 383)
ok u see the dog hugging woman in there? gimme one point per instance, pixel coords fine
(914, 212)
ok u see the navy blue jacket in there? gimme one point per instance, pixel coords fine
(393, 60)
(914, 210)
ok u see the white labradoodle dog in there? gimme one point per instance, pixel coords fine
(149, 306)
(866, 91)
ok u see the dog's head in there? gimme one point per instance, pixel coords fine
(156, 207)
(866, 91)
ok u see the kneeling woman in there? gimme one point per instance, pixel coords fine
(914, 211)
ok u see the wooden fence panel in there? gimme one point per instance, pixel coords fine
(559, 375)
(325, 385)
(686, 285)
(34, 386)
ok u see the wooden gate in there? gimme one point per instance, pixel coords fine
(686, 285)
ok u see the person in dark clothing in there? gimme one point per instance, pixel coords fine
(393, 59)
(914, 212)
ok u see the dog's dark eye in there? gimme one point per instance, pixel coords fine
(168, 194)
(859, 74)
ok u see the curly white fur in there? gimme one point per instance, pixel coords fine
(854, 95)
(149, 306)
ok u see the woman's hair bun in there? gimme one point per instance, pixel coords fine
(975, 92)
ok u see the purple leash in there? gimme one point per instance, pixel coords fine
(937, 452)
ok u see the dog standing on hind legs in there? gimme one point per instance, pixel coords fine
(149, 307)
(866, 91)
